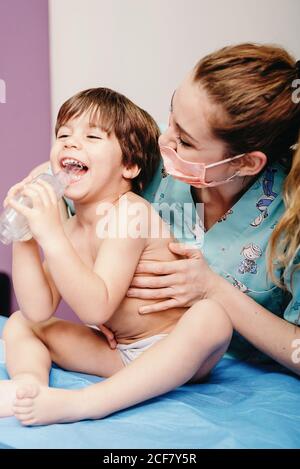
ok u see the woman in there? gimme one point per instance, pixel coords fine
(237, 102)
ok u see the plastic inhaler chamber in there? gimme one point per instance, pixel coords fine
(13, 225)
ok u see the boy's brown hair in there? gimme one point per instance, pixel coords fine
(135, 129)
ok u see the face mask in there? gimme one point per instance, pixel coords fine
(192, 173)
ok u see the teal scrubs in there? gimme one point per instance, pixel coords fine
(292, 282)
(235, 247)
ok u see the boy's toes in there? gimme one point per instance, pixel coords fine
(26, 402)
(23, 415)
(27, 391)
(18, 410)
(26, 420)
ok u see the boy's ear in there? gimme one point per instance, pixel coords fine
(131, 172)
(252, 163)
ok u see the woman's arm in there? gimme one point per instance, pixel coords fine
(184, 282)
(267, 332)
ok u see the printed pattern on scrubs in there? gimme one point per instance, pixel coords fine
(236, 246)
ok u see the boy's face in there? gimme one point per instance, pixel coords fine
(94, 151)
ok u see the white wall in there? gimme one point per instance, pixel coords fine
(143, 48)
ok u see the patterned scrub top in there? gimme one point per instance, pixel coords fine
(235, 247)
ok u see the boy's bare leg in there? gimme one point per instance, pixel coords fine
(189, 352)
(30, 349)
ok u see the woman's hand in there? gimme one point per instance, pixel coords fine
(179, 283)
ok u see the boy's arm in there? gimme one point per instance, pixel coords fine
(94, 295)
(36, 293)
(93, 298)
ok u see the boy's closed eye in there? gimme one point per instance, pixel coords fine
(95, 136)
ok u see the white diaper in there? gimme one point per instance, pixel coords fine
(130, 352)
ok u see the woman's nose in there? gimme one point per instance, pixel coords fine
(168, 139)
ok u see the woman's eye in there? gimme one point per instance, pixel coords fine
(182, 142)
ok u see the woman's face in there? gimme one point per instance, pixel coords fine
(189, 131)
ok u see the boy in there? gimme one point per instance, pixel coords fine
(90, 262)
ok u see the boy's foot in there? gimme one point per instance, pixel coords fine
(7, 396)
(41, 405)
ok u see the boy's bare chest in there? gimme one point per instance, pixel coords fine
(86, 247)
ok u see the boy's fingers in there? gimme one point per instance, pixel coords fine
(48, 189)
(13, 190)
(19, 207)
(17, 188)
(36, 198)
(41, 195)
(109, 336)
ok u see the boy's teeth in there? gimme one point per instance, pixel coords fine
(70, 161)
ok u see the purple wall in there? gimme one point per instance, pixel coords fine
(25, 117)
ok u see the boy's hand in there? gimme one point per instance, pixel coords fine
(44, 217)
(17, 188)
(109, 335)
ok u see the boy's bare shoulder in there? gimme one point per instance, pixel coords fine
(132, 197)
(140, 213)
(138, 205)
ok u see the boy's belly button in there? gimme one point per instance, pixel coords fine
(129, 327)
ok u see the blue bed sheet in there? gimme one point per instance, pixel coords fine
(241, 406)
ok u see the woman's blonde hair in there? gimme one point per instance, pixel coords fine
(285, 239)
(252, 86)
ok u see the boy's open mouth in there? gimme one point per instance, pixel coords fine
(74, 166)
